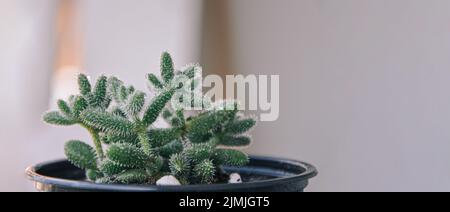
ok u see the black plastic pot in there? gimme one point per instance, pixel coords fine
(263, 174)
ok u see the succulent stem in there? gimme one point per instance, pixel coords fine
(144, 141)
(97, 142)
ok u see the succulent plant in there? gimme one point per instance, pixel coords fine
(121, 121)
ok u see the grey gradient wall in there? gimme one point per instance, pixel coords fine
(365, 92)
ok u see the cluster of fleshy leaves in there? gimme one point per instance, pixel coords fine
(120, 119)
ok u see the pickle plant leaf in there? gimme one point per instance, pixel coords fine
(81, 155)
(167, 67)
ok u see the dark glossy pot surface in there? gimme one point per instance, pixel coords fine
(263, 174)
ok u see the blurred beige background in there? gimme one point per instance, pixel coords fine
(364, 83)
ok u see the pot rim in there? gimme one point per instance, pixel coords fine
(310, 172)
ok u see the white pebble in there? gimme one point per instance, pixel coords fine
(168, 181)
(235, 178)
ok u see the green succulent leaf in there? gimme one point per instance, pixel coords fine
(64, 108)
(179, 165)
(133, 177)
(145, 143)
(153, 111)
(201, 126)
(107, 122)
(99, 95)
(114, 86)
(154, 168)
(114, 139)
(235, 141)
(181, 117)
(84, 85)
(93, 175)
(81, 155)
(80, 104)
(56, 118)
(171, 148)
(127, 155)
(200, 152)
(161, 137)
(110, 168)
(167, 67)
(240, 126)
(136, 103)
(123, 94)
(153, 79)
(231, 157)
(205, 171)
